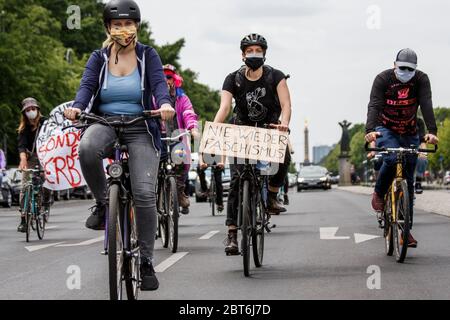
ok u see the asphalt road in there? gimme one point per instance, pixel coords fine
(298, 264)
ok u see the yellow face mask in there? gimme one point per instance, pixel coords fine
(124, 35)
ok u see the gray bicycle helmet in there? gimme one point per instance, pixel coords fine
(252, 40)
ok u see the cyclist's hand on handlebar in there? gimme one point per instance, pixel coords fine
(23, 165)
(167, 112)
(280, 127)
(203, 166)
(221, 165)
(423, 155)
(195, 134)
(72, 113)
(371, 137)
(371, 154)
(431, 138)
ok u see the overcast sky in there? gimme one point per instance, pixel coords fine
(333, 49)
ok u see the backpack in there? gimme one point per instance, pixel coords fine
(268, 80)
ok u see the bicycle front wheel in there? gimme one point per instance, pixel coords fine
(246, 227)
(132, 265)
(26, 210)
(401, 224)
(258, 235)
(173, 210)
(40, 219)
(163, 225)
(115, 245)
(388, 237)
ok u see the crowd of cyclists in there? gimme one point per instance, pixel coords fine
(125, 77)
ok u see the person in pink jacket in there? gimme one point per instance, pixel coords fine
(186, 119)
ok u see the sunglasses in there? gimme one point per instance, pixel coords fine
(168, 76)
(406, 68)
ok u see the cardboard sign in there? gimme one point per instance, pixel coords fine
(244, 142)
(58, 151)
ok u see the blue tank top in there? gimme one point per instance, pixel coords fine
(122, 95)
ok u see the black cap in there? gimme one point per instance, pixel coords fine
(406, 58)
(121, 9)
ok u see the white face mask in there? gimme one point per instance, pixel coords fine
(31, 114)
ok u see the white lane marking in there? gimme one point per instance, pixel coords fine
(51, 227)
(84, 243)
(41, 246)
(209, 235)
(359, 237)
(163, 266)
(330, 234)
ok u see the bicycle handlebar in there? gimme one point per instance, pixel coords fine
(401, 149)
(85, 118)
(174, 139)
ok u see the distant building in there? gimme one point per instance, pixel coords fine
(320, 152)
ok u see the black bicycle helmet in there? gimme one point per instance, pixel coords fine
(252, 40)
(121, 9)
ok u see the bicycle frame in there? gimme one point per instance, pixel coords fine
(32, 189)
(125, 194)
(248, 173)
(398, 178)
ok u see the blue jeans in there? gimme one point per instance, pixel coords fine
(390, 139)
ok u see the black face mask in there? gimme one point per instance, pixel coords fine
(254, 63)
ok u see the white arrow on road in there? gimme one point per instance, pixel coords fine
(359, 237)
(84, 243)
(41, 246)
(330, 234)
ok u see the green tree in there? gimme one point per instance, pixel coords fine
(444, 147)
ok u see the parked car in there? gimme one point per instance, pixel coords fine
(82, 192)
(292, 179)
(191, 182)
(447, 178)
(6, 193)
(226, 178)
(14, 177)
(313, 177)
(334, 179)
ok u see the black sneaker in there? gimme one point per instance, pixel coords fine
(185, 210)
(231, 243)
(96, 220)
(286, 200)
(22, 227)
(418, 188)
(148, 277)
(220, 207)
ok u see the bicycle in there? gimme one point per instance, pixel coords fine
(212, 192)
(32, 203)
(253, 216)
(167, 198)
(121, 240)
(395, 219)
